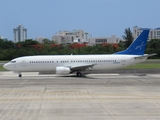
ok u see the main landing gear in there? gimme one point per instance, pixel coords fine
(79, 74)
(20, 75)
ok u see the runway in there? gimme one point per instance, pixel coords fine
(93, 97)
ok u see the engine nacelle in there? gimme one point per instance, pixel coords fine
(62, 70)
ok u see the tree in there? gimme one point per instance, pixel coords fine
(128, 37)
(153, 47)
(27, 43)
(5, 44)
(47, 41)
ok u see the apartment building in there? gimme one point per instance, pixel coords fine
(68, 37)
(154, 33)
(20, 34)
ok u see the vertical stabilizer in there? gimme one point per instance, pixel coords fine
(138, 46)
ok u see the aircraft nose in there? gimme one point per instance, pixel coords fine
(6, 66)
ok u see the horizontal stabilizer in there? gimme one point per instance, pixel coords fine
(146, 55)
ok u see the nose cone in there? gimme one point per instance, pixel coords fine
(7, 66)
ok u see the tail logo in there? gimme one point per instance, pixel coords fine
(140, 46)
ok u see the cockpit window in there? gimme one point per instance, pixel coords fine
(13, 61)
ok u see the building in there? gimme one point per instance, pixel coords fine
(68, 37)
(154, 33)
(20, 33)
(100, 40)
(3, 38)
(39, 39)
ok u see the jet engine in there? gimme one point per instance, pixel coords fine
(62, 70)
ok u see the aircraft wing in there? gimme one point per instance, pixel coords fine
(81, 67)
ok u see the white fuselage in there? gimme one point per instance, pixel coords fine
(49, 63)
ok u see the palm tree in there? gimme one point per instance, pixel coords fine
(128, 37)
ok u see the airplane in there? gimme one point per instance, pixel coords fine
(67, 64)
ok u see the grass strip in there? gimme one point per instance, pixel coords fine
(144, 66)
(2, 69)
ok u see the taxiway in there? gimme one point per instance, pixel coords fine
(94, 97)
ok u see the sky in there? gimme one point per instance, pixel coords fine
(100, 18)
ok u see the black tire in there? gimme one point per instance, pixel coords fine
(79, 74)
(20, 75)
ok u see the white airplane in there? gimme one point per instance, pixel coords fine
(67, 64)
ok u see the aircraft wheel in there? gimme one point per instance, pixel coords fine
(20, 75)
(79, 74)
